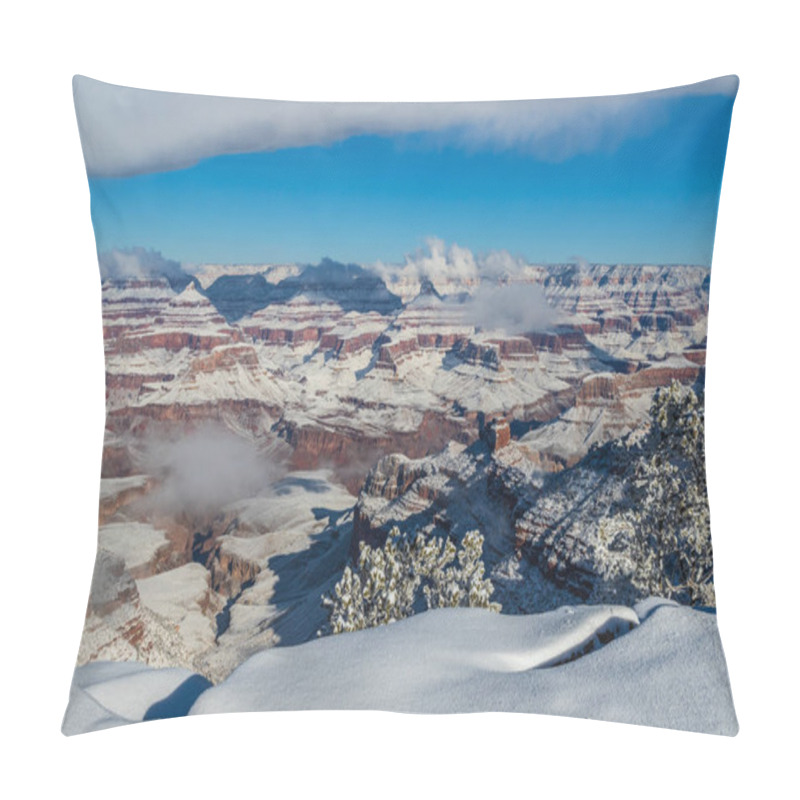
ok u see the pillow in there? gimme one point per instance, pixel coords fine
(404, 407)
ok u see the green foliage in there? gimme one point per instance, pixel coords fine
(661, 542)
(385, 583)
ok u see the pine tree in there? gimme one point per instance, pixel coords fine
(462, 585)
(384, 585)
(662, 542)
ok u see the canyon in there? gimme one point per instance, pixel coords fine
(263, 420)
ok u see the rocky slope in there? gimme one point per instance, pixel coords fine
(342, 369)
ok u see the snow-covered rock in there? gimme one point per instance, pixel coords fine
(184, 598)
(138, 543)
(352, 369)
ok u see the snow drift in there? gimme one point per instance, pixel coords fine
(661, 665)
(106, 694)
(657, 664)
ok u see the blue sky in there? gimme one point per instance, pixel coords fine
(640, 187)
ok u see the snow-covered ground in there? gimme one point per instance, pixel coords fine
(182, 597)
(657, 664)
(105, 694)
(137, 543)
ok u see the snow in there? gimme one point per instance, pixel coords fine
(158, 292)
(347, 394)
(233, 382)
(111, 487)
(190, 297)
(288, 544)
(169, 592)
(106, 694)
(136, 542)
(657, 664)
(668, 671)
(206, 274)
(286, 516)
(179, 596)
(287, 535)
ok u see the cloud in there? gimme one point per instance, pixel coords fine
(436, 261)
(126, 131)
(513, 308)
(207, 469)
(137, 262)
(501, 265)
(580, 262)
(451, 267)
(494, 290)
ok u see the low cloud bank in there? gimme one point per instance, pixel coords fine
(207, 469)
(138, 263)
(515, 308)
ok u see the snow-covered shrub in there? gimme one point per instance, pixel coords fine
(380, 588)
(384, 585)
(661, 542)
(460, 584)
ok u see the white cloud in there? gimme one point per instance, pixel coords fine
(126, 131)
(451, 265)
(513, 308)
(436, 262)
(501, 290)
(207, 469)
(137, 262)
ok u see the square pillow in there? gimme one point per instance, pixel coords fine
(404, 407)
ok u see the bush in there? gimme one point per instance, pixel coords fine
(661, 543)
(385, 584)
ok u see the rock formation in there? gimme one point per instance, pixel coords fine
(378, 404)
